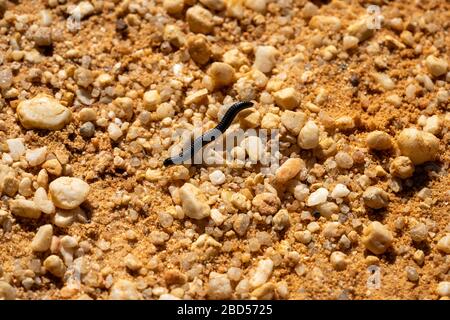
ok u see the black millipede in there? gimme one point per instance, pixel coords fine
(209, 135)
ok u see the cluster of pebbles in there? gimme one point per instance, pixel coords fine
(89, 110)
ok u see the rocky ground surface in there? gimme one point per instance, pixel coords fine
(92, 92)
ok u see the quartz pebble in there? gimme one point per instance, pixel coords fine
(317, 197)
(217, 177)
(24, 208)
(42, 202)
(436, 66)
(173, 6)
(288, 170)
(375, 198)
(219, 287)
(377, 238)
(379, 140)
(55, 266)
(266, 203)
(43, 238)
(194, 202)
(340, 191)
(222, 74)
(338, 260)
(265, 58)
(418, 145)
(443, 289)
(36, 156)
(444, 244)
(43, 112)
(114, 131)
(287, 98)
(16, 148)
(68, 193)
(124, 290)
(200, 20)
(419, 232)
(262, 273)
(293, 121)
(402, 167)
(7, 292)
(309, 136)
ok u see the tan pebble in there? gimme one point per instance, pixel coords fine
(43, 112)
(436, 66)
(53, 167)
(287, 98)
(55, 266)
(194, 202)
(444, 244)
(36, 157)
(377, 238)
(379, 140)
(309, 136)
(43, 238)
(270, 121)
(7, 292)
(375, 198)
(402, 167)
(219, 287)
(293, 121)
(199, 49)
(222, 74)
(338, 260)
(124, 290)
(418, 145)
(173, 6)
(288, 170)
(443, 289)
(68, 193)
(200, 20)
(265, 58)
(151, 99)
(266, 203)
(24, 208)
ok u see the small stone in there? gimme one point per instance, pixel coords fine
(199, 49)
(345, 123)
(379, 140)
(361, 28)
(288, 170)
(194, 202)
(309, 136)
(293, 121)
(132, 263)
(197, 97)
(217, 177)
(24, 208)
(7, 292)
(164, 110)
(53, 167)
(43, 36)
(36, 157)
(217, 5)
(339, 260)
(418, 145)
(16, 148)
(266, 203)
(433, 125)
(287, 98)
(222, 74)
(377, 238)
(443, 289)
(444, 244)
(114, 131)
(262, 273)
(317, 197)
(6, 78)
(304, 237)
(43, 238)
(325, 23)
(419, 232)
(82, 10)
(343, 160)
(281, 220)
(151, 100)
(402, 167)
(174, 7)
(327, 209)
(42, 202)
(265, 58)
(250, 118)
(411, 274)
(43, 112)
(384, 81)
(375, 198)
(124, 290)
(83, 77)
(350, 42)
(340, 191)
(241, 224)
(436, 66)
(219, 287)
(254, 147)
(87, 130)
(87, 114)
(419, 257)
(55, 266)
(68, 193)
(200, 20)
(270, 121)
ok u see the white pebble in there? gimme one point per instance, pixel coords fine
(36, 157)
(340, 191)
(68, 193)
(217, 177)
(317, 197)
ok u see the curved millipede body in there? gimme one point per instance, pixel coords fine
(210, 135)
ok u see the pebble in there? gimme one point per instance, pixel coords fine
(6, 78)
(16, 148)
(42, 202)
(309, 136)
(219, 287)
(55, 266)
(43, 238)
(402, 167)
(266, 203)
(343, 160)
(377, 238)
(270, 121)
(87, 130)
(443, 289)
(288, 170)
(199, 49)
(418, 145)
(317, 197)
(433, 125)
(217, 177)
(304, 237)
(349, 42)
(340, 191)
(254, 147)
(132, 263)
(419, 233)
(124, 290)
(293, 121)
(164, 110)
(24, 208)
(287, 98)
(53, 167)
(325, 23)
(411, 274)
(174, 7)
(87, 114)
(217, 5)
(265, 58)
(222, 74)
(36, 157)
(379, 140)
(114, 131)
(43, 112)
(281, 220)
(7, 292)
(151, 100)
(338, 260)
(194, 202)
(444, 244)
(241, 224)
(200, 20)
(262, 273)
(437, 67)
(375, 197)
(68, 193)
(384, 81)
(83, 77)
